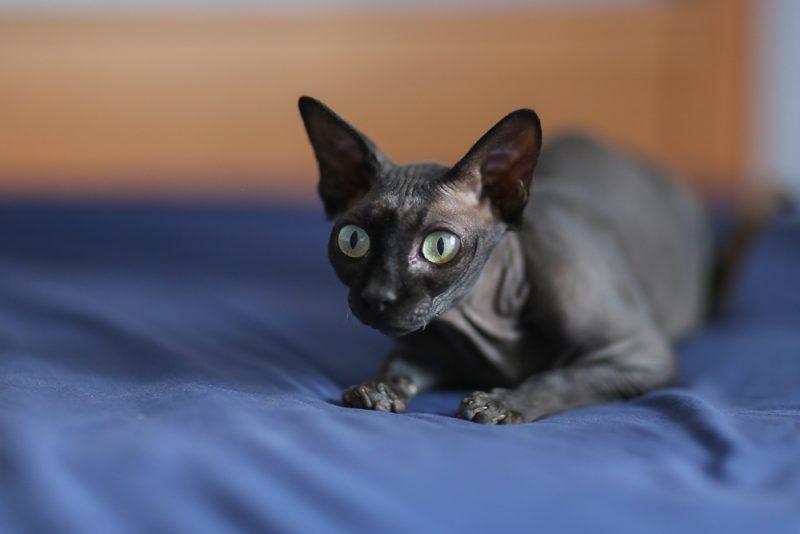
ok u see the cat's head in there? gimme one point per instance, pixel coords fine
(411, 240)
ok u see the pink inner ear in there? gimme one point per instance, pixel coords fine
(347, 156)
(500, 165)
(503, 178)
(499, 161)
(346, 145)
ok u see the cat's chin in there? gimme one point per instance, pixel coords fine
(394, 331)
(394, 325)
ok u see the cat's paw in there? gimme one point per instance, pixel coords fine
(487, 408)
(378, 396)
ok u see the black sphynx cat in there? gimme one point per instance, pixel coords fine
(605, 269)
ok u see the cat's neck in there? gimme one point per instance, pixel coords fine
(488, 317)
(489, 313)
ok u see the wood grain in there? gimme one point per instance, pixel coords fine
(207, 106)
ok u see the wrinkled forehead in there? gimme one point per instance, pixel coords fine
(401, 193)
(413, 196)
(409, 182)
(388, 210)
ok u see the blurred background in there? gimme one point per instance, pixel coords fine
(196, 99)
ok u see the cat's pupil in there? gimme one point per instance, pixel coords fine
(353, 239)
(440, 246)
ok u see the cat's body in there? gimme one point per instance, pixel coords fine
(609, 252)
(608, 268)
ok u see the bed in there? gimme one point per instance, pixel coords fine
(176, 368)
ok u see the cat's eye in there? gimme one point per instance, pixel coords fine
(440, 247)
(353, 241)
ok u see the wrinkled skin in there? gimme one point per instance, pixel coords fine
(567, 293)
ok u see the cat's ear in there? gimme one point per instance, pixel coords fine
(499, 167)
(348, 161)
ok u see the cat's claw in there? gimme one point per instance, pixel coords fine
(378, 396)
(482, 407)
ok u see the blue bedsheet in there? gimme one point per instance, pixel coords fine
(177, 369)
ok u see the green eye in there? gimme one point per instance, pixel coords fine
(353, 241)
(440, 247)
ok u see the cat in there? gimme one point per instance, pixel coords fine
(544, 294)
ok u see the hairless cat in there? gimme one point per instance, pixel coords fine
(545, 293)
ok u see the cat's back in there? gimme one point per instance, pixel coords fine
(659, 228)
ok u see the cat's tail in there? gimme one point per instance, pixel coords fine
(751, 214)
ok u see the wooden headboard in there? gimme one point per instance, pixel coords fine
(170, 105)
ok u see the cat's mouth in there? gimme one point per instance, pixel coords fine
(393, 329)
(394, 325)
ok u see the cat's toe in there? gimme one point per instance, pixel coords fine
(378, 396)
(482, 407)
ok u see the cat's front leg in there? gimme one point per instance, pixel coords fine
(618, 370)
(489, 408)
(408, 371)
(385, 395)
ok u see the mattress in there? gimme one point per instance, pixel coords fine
(177, 368)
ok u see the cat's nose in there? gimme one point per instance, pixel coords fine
(378, 299)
